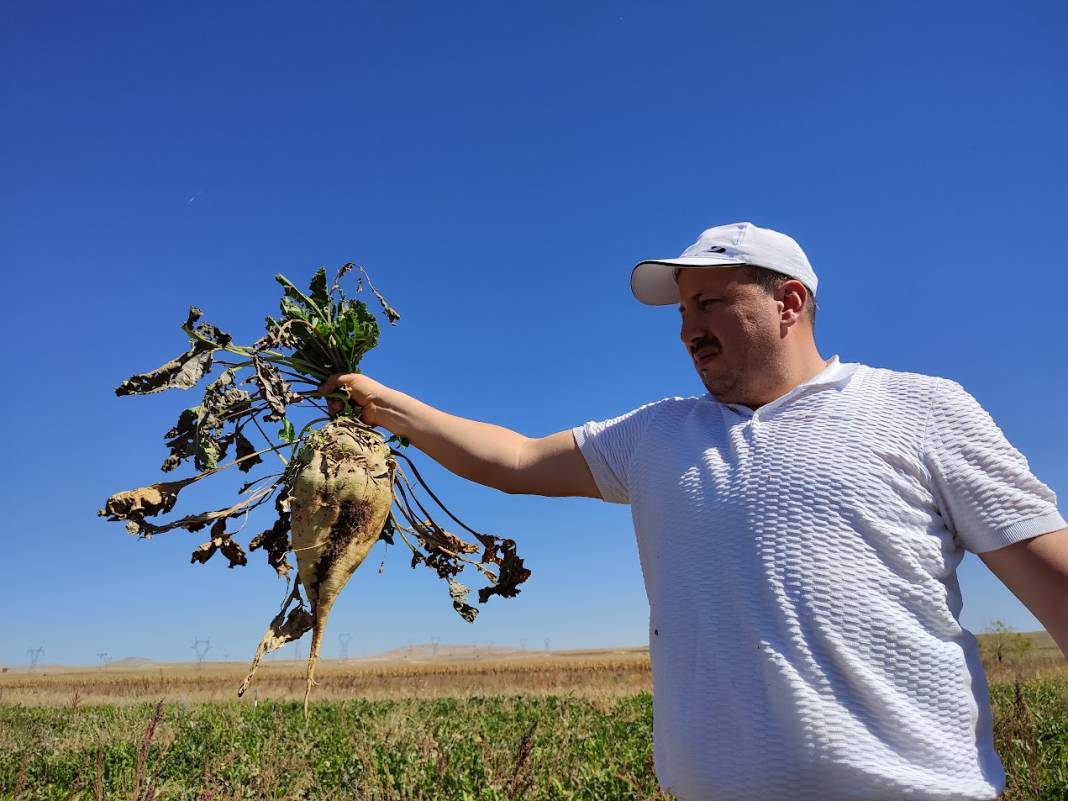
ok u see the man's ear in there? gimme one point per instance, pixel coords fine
(794, 296)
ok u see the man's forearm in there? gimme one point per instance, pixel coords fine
(482, 452)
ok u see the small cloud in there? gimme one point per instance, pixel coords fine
(194, 197)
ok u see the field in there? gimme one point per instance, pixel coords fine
(447, 725)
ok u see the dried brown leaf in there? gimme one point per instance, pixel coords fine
(391, 314)
(273, 389)
(340, 274)
(275, 540)
(197, 521)
(222, 542)
(459, 592)
(135, 505)
(285, 627)
(184, 371)
(181, 372)
(199, 430)
(502, 552)
(246, 454)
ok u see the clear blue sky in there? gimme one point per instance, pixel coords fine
(498, 167)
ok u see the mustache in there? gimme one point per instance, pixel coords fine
(704, 342)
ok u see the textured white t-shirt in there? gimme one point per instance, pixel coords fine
(800, 567)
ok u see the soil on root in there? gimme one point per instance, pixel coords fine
(351, 519)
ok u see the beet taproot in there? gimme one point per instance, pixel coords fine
(341, 494)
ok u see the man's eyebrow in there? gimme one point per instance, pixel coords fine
(694, 297)
(700, 292)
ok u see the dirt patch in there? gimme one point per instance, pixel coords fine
(350, 521)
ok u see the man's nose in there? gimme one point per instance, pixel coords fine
(690, 332)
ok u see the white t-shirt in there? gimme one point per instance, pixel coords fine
(800, 567)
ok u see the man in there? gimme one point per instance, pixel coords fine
(799, 527)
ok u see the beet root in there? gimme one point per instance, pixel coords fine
(341, 494)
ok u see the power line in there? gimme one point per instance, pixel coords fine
(201, 648)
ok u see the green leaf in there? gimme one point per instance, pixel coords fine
(292, 293)
(318, 289)
(287, 433)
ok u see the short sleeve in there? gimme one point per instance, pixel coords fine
(985, 490)
(609, 446)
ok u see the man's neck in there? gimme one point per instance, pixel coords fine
(795, 375)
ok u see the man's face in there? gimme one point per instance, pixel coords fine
(731, 329)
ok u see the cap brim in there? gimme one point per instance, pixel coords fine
(653, 282)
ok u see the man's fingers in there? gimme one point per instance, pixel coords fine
(330, 384)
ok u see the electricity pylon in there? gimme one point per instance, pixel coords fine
(201, 648)
(344, 639)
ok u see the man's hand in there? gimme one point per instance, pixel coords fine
(361, 390)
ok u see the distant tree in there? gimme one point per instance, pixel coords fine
(1002, 642)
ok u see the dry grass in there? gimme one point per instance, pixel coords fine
(452, 674)
(588, 674)
(447, 673)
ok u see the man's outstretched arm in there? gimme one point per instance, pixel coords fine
(487, 454)
(1036, 571)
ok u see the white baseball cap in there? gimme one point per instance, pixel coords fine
(653, 281)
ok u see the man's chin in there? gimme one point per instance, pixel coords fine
(721, 390)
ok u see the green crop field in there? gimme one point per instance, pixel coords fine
(505, 730)
(474, 748)
(487, 748)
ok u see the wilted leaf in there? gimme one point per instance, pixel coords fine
(223, 542)
(284, 628)
(181, 439)
(199, 431)
(458, 592)
(276, 335)
(273, 389)
(233, 551)
(204, 552)
(342, 271)
(388, 530)
(246, 454)
(135, 505)
(183, 371)
(391, 314)
(512, 572)
(197, 521)
(275, 540)
(229, 548)
(207, 331)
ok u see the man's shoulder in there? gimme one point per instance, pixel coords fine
(657, 411)
(671, 407)
(903, 384)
